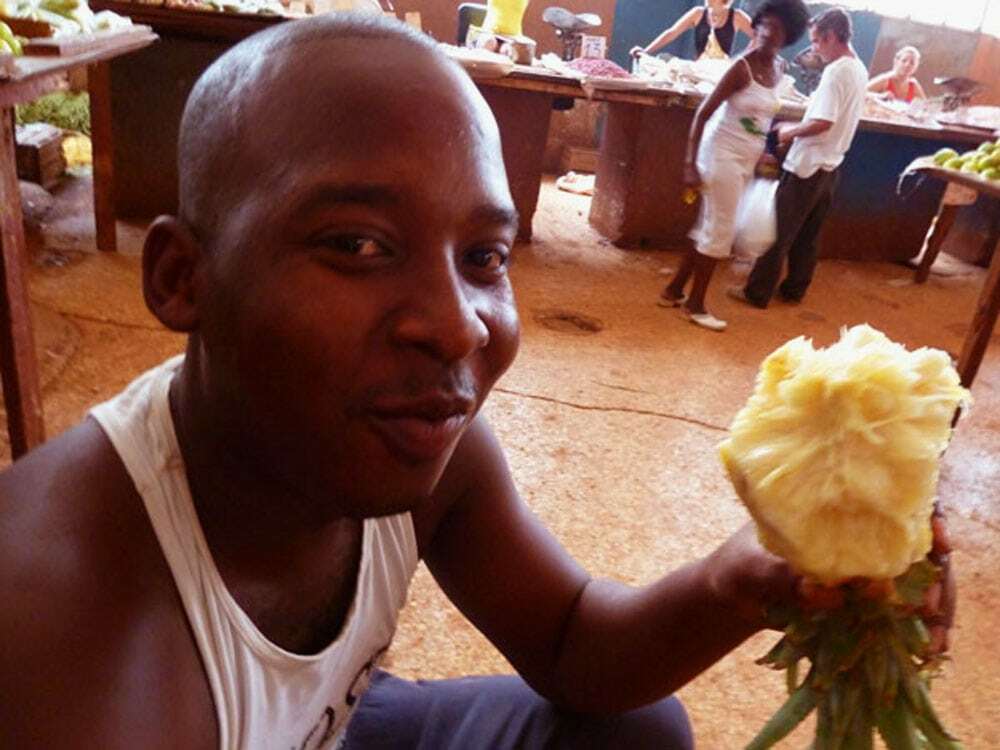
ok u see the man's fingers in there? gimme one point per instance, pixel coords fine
(932, 600)
(815, 596)
(939, 639)
(942, 539)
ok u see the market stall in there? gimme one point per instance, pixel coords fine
(638, 187)
(28, 78)
(988, 305)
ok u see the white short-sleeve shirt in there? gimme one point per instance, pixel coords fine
(840, 99)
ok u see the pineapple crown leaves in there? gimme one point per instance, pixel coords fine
(869, 672)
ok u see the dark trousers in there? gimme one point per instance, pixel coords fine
(801, 206)
(501, 713)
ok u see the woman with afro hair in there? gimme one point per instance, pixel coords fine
(726, 140)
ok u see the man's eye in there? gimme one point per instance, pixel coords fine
(488, 258)
(354, 245)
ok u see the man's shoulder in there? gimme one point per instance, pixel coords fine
(89, 605)
(72, 530)
(476, 467)
(849, 67)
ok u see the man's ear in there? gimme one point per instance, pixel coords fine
(170, 259)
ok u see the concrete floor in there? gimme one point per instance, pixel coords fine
(610, 417)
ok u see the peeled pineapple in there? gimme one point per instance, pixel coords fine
(836, 453)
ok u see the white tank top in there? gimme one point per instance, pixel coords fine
(265, 697)
(738, 127)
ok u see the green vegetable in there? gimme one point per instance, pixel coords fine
(11, 41)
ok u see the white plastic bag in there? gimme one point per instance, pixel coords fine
(756, 222)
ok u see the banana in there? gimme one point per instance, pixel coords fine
(10, 40)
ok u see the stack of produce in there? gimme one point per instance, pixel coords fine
(836, 456)
(9, 44)
(66, 17)
(984, 161)
(598, 67)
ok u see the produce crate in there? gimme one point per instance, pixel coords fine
(39, 154)
(577, 159)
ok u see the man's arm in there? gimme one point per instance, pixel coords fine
(787, 132)
(589, 645)
(95, 650)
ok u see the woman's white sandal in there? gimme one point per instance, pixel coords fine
(705, 320)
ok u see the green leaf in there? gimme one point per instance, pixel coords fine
(789, 716)
(915, 581)
(929, 723)
(782, 655)
(792, 677)
(914, 635)
(877, 672)
(850, 693)
(861, 734)
(827, 711)
(896, 727)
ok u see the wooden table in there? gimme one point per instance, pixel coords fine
(988, 307)
(37, 76)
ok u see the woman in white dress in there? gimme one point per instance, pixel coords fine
(725, 142)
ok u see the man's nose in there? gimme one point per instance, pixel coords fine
(441, 318)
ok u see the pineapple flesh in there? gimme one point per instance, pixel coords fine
(836, 453)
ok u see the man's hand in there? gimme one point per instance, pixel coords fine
(938, 609)
(786, 133)
(749, 579)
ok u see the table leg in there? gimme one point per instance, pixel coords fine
(18, 367)
(939, 229)
(101, 135)
(638, 196)
(983, 322)
(523, 118)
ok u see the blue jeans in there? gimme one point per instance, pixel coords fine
(501, 713)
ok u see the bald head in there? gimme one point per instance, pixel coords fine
(287, 87)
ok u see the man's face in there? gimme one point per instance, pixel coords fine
(361, 309)
(823, 44)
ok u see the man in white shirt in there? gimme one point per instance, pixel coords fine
(810, 171)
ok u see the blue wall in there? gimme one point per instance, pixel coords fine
(638, 22)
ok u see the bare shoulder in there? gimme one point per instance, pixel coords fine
(94, 644)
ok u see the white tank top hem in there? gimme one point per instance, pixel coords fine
(265, 696)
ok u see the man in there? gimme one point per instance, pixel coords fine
(216, 557)
(809, 173)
